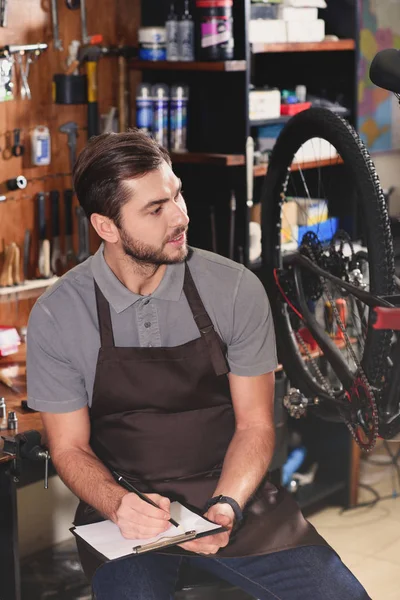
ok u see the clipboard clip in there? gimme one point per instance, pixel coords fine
(164, 542)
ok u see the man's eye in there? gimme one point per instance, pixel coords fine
(157, 211)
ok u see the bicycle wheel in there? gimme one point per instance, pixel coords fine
(322, 197)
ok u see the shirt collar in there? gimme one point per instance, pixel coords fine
(120, 298)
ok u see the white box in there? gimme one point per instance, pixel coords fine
(303, 3)
(291, 13)
(305, 31)
(267, 31)
(264, 104)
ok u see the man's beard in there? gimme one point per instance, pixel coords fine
(144, 254)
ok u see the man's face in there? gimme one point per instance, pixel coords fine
(154, 221)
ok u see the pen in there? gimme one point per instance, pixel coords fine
(128, 486)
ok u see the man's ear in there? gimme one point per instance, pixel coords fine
(105, 228)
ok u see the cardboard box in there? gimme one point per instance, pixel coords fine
(267, 31)
(264, 104)
(289, 227)
(310, 211)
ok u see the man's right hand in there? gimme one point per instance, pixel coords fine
(137, 519)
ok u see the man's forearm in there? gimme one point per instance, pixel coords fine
(246, 463)
(90, 480)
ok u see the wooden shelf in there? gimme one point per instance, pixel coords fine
(30, 289)
(260, 48)
(165, 65)
(204, 158)
(260, 170)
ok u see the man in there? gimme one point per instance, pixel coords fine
(157, 362)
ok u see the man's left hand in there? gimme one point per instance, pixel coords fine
(223, 515)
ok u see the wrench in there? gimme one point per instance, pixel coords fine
(83, 234)
(56, 32)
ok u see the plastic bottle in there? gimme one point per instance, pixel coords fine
(160, 94)
(186, 35)
(172, 27)
(215, 19)
(178, 118)
(144, 107)
(41, 146)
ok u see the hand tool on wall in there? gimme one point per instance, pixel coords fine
(56, 32)
(17, 149)
(91, 55)
(6, 271)
(70, 258)
(44, 244)
(27, 253)
(56, 264)
(71, 129)
(83, 235)
(3, 13)
(16, 265)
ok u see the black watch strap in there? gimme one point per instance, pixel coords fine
(226, 500)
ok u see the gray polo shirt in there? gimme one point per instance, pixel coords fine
(63, 333)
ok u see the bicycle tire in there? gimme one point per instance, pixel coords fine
(322, 123)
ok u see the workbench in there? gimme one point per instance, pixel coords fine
(10, 584)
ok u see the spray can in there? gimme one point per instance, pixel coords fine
(178, 118)
(41, 146)
(186, 35)
(160, 94)
(172, 28)
(144, 107)
(216, 29)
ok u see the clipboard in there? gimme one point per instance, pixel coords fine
(105, 540)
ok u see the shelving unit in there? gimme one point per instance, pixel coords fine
(218, 127)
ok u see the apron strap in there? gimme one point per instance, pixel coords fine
(104, 317)
(204, 324)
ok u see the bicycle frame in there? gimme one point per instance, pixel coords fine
(385, 316)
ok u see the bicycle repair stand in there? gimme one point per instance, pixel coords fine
(25, 445)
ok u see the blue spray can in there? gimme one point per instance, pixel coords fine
(144, 108)
(160, 94)
(178, 118)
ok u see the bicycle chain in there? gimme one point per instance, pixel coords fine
(360, 370)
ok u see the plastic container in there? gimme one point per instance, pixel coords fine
(69, 89)
(178, 118)
(293, 109)
(160, 95)
(144, 107)
(186, 35)
(41, 146)
(172, 29)
(216, 29)
(152, 43)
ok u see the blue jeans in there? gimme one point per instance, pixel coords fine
(306, 573)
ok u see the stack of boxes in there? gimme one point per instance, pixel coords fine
(286, 21)
(300, 215)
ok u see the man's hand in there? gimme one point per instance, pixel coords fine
(224, 516)
(137, 519)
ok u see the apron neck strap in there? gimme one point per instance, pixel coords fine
(204, 324)
(104, 316)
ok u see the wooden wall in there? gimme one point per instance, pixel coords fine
(29, 21)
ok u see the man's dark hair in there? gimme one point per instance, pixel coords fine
(106, 162)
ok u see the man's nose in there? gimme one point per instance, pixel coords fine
(180, 217)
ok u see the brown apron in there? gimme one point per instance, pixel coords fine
(163, 418)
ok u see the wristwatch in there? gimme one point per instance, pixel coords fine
(226, 500)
